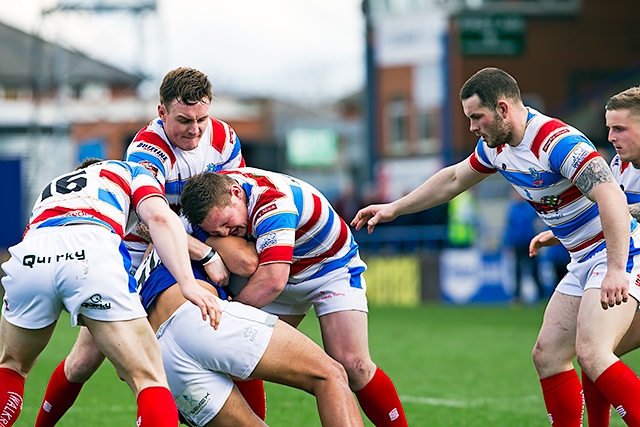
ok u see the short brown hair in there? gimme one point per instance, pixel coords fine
(490, 84)
(626, 100)
(203, 192)
(187, 85)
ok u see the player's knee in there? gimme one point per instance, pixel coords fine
(538, 355)
(79, 366)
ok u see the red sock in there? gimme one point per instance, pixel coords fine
(156, 408)
(11, 396)
(563, 398)
(621, 386)
(598, 407)
(253, 392)
(58, 398)
(380, 402)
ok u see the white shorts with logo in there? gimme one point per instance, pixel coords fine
(338, 290)
(79, 268)
(199, 360)
(590, 273)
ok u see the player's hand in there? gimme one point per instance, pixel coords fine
(372, 215)
(615, 288)
(206, 301)
(545, 238)
(217, 272)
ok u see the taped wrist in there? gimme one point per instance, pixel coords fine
(210, 257)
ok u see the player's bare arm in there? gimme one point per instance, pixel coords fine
(170, 241)
(265, 285)
(597, 183)
(440, 188)
(238, 254)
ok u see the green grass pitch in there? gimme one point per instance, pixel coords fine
(452, 366)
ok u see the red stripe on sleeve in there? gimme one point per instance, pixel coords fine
(117, 180)
(475, 164)
(543, 133)
(586, 160)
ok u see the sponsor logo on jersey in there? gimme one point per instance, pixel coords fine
(537, 179)
(30, 260)
(155, 150)
(264, 210)
(266, 241)
(578, 156)
(95, 303)
(553, 137)
(551, 201)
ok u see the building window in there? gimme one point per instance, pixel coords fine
(427, 132)
(397, 120)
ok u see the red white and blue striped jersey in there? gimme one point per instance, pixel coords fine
(293, 222)
(628, 177)
(104, 193)
(219, 148)
(542, 169)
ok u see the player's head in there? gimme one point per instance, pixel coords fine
(490, 85)
(622, 117)
(489, 99)
(217, 203)
(88, 162)
(185, 98)
(187, 85)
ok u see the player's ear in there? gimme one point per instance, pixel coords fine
(503, 108)
(236, 190)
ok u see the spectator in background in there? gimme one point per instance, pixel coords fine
(462, 220)
(522, 225)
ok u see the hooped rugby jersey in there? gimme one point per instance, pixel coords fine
(542, 169)
(103, 193)
(219, 148)
(293, 222)
(628, 177)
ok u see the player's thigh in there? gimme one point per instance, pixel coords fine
(293, 359)
(345, 334)
(600, 329)
(21, 347)
(132, 348)
(236, 412)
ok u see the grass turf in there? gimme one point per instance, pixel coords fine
(452, 366)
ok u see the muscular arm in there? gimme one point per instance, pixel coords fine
(239, 255)
(597, 183)
(440, 188)
(170, 241)
(265, 285)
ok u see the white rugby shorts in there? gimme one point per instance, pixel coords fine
(590, 273)
(199, 360)
(79, 268)
(338, 290)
